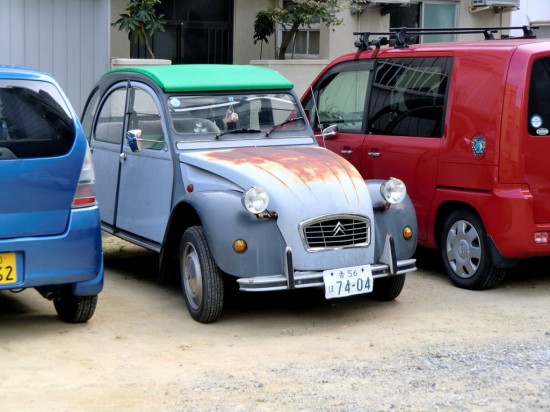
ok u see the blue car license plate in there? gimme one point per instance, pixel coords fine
(8, 269)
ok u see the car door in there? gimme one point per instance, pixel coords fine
(105, 144)
(134, 190)
(339, 99)
(405, 126)
(146, 176)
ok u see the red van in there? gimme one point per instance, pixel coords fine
(466, 126)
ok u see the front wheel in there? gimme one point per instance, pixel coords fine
(201, 279)
(465, 252)
(386, 289)
(74, 309)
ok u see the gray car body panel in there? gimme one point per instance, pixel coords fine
(205, 184)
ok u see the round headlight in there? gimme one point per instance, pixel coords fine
(255, 200)
(393, 190)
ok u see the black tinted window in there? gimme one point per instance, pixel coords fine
(34, 120)
(539, 98)
(408, 97)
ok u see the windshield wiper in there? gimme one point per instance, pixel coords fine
(243, 130)
(287, 121)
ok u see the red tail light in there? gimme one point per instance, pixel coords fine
(85, 191)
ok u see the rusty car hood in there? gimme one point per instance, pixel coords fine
(303, 182)
(305, 175)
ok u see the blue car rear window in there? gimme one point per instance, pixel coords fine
(34, 121)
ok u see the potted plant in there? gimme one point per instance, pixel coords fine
(141, 22)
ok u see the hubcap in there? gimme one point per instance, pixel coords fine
(191, 276)
(463, 249)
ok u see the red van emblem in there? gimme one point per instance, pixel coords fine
(478, 145)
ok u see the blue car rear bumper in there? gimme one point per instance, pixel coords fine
(73, 257)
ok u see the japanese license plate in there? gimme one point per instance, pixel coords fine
(8, 269)
(347, 281)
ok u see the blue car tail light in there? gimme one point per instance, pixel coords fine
(85, 190)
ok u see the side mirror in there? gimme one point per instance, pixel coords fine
(329, 132)
(133, 137)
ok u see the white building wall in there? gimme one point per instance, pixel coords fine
(535, 13)
(340, 39)
(67, 38)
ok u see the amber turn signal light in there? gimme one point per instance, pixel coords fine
(240, 246)
(407, 232)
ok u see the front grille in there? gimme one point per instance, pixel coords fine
(335, 232)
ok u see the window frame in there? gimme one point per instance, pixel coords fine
(397, 104)
(312, 104)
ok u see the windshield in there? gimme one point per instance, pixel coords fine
(235, 116)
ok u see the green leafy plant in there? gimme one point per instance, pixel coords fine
(297, 13)
(264, 26)
(141, 22)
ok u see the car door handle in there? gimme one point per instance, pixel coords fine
(346, 151)
(122, 157)
(374, 153)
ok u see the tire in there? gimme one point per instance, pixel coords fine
(386, 289)
(466, 254)
(201, 279)
(74, 309)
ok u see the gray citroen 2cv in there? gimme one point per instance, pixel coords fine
(216, 168)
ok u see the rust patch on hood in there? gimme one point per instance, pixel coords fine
(308, 163)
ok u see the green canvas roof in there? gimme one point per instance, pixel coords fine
(212, 77)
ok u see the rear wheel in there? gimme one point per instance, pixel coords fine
(389, 288)
(201, 279)
(74, 309)
(465, 252)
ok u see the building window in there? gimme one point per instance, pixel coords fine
(305, 44)
(428, 15)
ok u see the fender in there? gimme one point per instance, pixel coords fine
(224, 220)
(392, 220)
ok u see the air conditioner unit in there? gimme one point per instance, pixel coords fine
(495, 3)
(359, 6)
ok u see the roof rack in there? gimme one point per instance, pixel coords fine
(403, 36)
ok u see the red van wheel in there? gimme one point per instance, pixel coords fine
(465, 252)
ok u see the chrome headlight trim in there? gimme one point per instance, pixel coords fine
(393, 191)
(255, 200)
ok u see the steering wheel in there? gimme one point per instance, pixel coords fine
(435, 114)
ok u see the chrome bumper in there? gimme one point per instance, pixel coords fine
(292, 279)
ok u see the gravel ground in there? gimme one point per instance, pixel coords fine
(436, 347)
(504, 376)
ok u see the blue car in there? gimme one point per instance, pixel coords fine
(50, 233)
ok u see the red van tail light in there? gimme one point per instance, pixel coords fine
(85, 190)
(541, 237)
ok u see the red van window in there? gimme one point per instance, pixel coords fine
(408, 96)
(539, 98)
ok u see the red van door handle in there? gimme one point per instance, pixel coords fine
(374, 153)
(346, 152)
